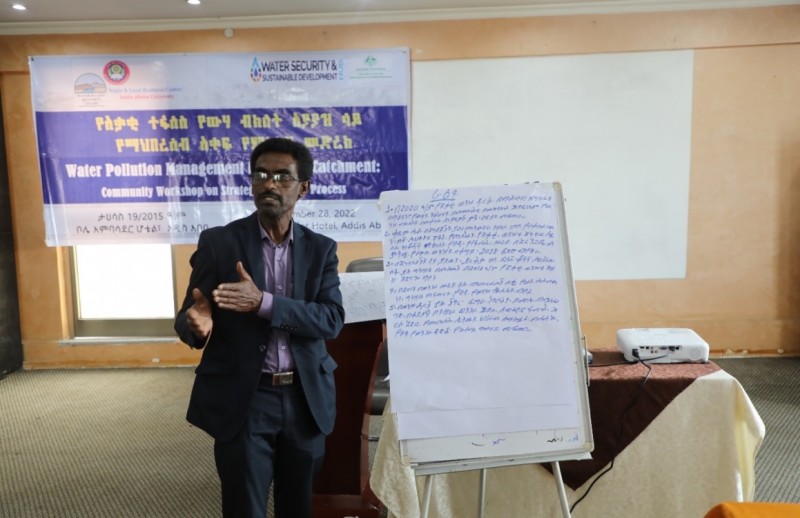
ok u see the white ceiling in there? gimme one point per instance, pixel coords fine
(129, 15)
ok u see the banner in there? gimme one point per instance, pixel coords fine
(156, 148)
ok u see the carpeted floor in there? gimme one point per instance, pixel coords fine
(113, 443)
(103, 443)
(773, 385)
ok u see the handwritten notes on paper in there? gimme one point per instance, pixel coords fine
(363, 296)
(478, 310)
(475, 264)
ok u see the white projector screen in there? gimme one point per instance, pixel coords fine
(613, 129)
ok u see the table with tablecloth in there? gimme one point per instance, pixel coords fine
(682, 438)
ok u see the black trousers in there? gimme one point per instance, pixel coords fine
(280, 443)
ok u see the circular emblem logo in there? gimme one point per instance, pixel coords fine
(116, 72)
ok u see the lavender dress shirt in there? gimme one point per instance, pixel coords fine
(278, 262)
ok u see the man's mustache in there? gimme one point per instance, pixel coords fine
(277, 197)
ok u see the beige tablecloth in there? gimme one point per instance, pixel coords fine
(699, 451)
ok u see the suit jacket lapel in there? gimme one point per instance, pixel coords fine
(254, 253)
(299, 262)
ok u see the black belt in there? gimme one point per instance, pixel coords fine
(273, 379)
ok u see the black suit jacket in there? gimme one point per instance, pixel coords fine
(228, 373)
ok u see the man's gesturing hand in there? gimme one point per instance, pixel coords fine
(199, 315)
(243, 296)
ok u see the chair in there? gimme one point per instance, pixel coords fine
(342, 485)
(754, 510)
(367, 264)
(380, 392)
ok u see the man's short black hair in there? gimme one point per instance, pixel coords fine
(300, 153)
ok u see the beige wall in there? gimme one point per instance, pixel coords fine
(743, 273)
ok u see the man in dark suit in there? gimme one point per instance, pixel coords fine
(262, 298)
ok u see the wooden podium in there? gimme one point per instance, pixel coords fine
(341, 489)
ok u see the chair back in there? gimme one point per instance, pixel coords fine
(368, 264)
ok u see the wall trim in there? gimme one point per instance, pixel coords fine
(553, 8)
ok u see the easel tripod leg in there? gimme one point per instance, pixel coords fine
(482, 500)
(562, 493)
(426, 497)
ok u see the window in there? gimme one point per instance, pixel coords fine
(123, 290)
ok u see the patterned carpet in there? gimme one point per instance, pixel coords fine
(113, 443)
(773, 385)
(103, 443)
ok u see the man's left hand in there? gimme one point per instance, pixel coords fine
(243, 296)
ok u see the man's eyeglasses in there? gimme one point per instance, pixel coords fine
(282, 178)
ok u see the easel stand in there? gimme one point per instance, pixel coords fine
(523, 430)
(562, 493)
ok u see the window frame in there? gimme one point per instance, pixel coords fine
(90, 328)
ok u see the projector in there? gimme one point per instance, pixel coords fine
(662, 345)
